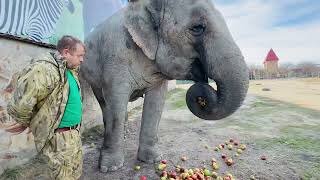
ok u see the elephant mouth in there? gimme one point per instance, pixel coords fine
(197, 72)
(231, 86)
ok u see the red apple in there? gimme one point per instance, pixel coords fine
(223, 156)
(143, 177)
(164, 161)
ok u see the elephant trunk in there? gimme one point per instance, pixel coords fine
(223, 63)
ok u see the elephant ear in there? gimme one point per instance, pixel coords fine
(142, 20)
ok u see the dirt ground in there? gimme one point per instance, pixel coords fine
(284, 129)
(302, 92)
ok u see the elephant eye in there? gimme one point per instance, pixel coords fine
(197, 30)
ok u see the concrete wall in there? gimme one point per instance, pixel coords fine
(17, 149)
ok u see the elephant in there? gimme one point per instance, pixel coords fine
(137, 50)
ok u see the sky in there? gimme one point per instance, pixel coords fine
(290, 27)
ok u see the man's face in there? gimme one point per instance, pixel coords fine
(74, 58)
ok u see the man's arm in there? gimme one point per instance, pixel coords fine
(35, 85)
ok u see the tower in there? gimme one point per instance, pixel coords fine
(271, 64)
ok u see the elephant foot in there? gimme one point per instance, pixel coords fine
(110, 161)
(148, 154)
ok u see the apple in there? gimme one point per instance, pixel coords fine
(194, 176)
(263, 158)
(230, 175)
(178, 168)
(184, 175)
(223, 156)
(190, 172)
(239, 151)
(200, 176)
(183, 158)
(163, 161)
(173, 174)
(213, 160)
(252, 177)
(214, 174)
(219, 178)
(137, 168)
(215, 166)
(182, 170)
(196, 170)
(161, 166)
(222, 145)
(236, 143)
(216, 149)
(231, 140)
(143, 177)
(230, 146)
(207, 172)
(242, 146)
(229, 161)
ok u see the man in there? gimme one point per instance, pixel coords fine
(47, 100)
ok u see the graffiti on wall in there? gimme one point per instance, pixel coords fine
(48, 20)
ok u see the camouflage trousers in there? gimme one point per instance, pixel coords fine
(63, 156)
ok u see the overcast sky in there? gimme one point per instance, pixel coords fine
(290, 27)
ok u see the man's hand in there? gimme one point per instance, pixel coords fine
(17, 128)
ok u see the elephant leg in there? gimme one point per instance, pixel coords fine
(114, 114)
(99, 96)
(151, 115)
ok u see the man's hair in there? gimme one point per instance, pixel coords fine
(68, 42)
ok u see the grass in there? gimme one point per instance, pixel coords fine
(10, 174)
(176, 98)
(292, 142)
(312, 173)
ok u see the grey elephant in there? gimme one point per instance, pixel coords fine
(137, 50)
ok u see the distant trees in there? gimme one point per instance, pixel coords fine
(288, 70)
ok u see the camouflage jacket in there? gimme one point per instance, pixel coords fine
(41, 95)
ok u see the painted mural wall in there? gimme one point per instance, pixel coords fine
(48, 20)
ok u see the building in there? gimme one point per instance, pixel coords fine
(270, 63)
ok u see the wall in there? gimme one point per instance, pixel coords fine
(14, 55)
(48, 20)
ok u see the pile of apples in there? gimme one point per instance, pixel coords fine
(190, 174)
(230, 145)
(180, 173)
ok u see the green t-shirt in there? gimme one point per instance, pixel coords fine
(73, 112)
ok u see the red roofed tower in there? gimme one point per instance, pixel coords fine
(271, 64)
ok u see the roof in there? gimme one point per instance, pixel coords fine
(271, 56)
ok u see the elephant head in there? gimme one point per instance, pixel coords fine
(189, 40)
